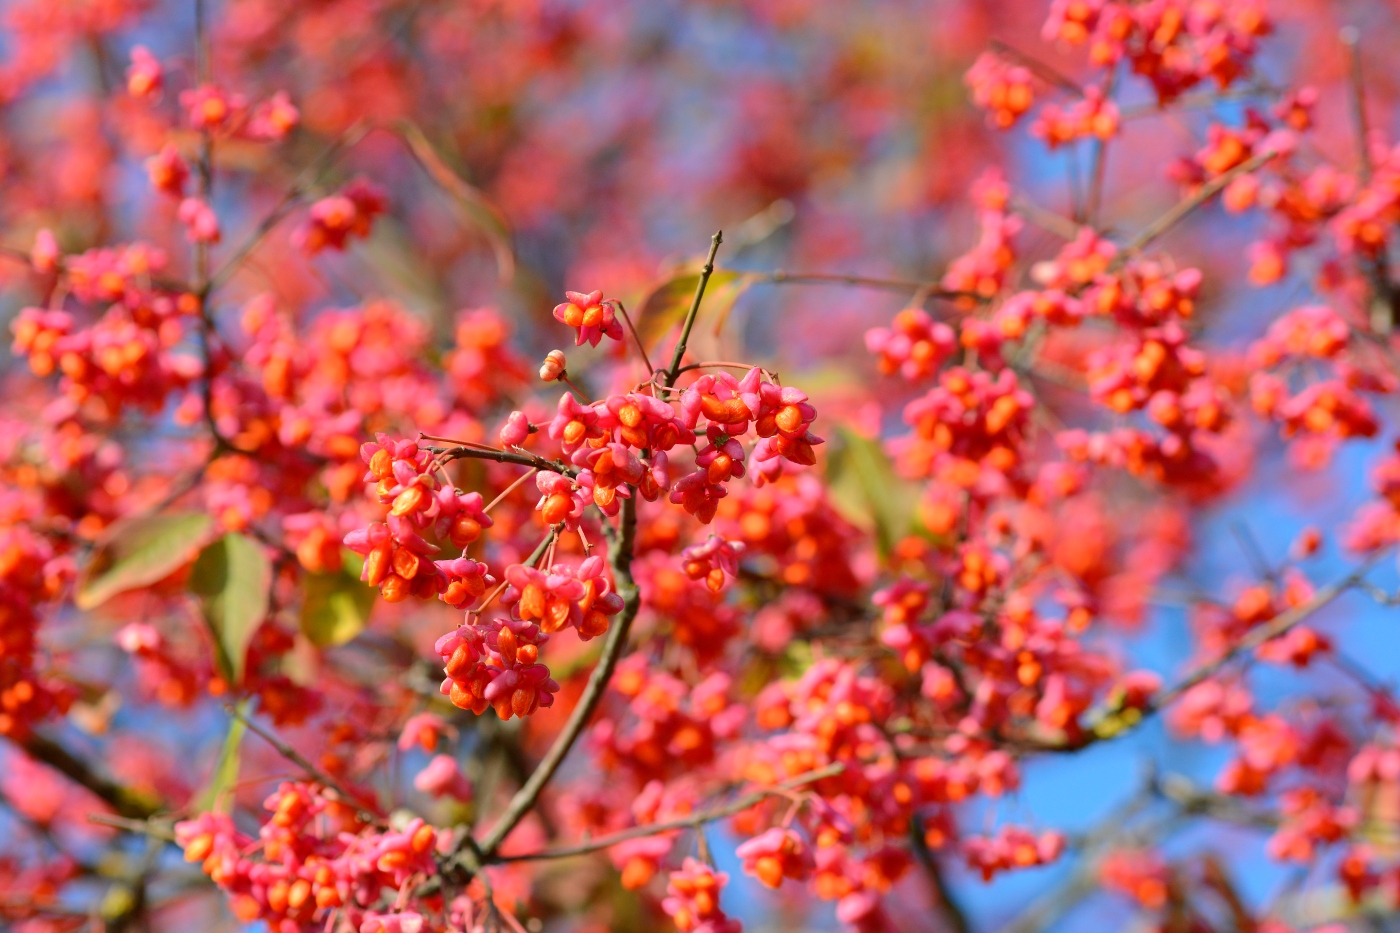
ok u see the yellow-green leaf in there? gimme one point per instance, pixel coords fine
(233, 577)
(665, 306)
(473, 206)
(140, 552)
(336, 606)
(866, 489)
(226, 771)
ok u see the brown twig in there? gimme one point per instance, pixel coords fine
(1351, 38)
(1202, 194)
(1112, 725)
(620, 559)
(635, 336)
(674, 370)
(930, 289)
(1061, 226)
(141, 827)
(127, 802)
(686, 822)
(1279, 625)
(301, 761)
(1384, 310)
(509, 489)
(502, 456)
(1047, 73)
(309, 178)
(952, 912)
(1099, 162)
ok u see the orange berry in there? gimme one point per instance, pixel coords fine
(557, 507)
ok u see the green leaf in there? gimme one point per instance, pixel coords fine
(226, 772)
(472, 205)
(118, 903)
(866, 489)
(336, 606)
(233, 576)
(140, 552)
(665, 306)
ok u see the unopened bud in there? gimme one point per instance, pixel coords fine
(553, 366)
(516, 429)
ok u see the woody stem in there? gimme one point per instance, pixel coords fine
(620, 558)
(705, 272)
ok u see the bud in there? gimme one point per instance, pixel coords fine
(553, 366)
(145, 76)
(45, 254)
(1306, 544)
(517, 426)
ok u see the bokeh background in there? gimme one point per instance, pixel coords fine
(615, 136)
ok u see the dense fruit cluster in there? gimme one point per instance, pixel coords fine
(269, 470)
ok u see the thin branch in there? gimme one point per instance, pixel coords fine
(1258, 561)
(635, 336)
(309, 178)
(301, 761)
(620, 559)
(1279, 625)
(581, 395)
(141, 827)
(1203, 194)
(205, 168)
(1111, 725)
(534, 559)
(127, 802)
(687, 822)
(705, 272)
(1099, 161)
(1196, 801)
(201, 43)
(1201, 101)
(502, 456)
(950, 909)
(927, 289)
(509, 489)
(1046, 910)
(1384, 310)
(1351, 38)
(1047, 73)
(1061, 226)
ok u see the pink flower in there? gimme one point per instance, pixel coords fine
(590, 315)
(274, 118)
(424, 731)
(333, 220)
(515, 431)
(443, 778)
(45, 254)
(774, 855)
(201, 223)
(168, 172)
(144, 77)
(211, 108)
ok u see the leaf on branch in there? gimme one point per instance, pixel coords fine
(225, 774)
(336, 606)
(140, 552)
(665, 306)
(867, 491)
(233, 577)
(473, 206)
